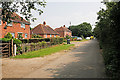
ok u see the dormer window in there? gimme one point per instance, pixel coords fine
(9, 24)
(22, 25)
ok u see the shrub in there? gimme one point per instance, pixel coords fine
(43, 43)
(4, 40)
(57, 40)
(61, 40)
(9, 36)
(17, 41)
(24, 40)
(47, 39)
(36, 36)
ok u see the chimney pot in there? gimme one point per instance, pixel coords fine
(64, 26)
(44, 23)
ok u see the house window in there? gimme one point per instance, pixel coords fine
(9, 24)
(54, 35)
(50, 35)
(26, 35)
(22, 25)
(20, 36)
(46, 35)
(13, 35)
(0, 21)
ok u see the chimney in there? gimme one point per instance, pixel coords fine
(64, 26)
(44, 23)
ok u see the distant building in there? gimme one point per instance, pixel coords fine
(63, 31)
(16, 27)
(44, 31)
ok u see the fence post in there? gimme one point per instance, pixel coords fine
(12, 47)
(15, 49)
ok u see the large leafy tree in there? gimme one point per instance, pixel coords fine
(23, 7)
(81, 29)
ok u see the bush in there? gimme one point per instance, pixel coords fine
(4, 40)
(55, 41)
(61, 40)
(36, 36)
(24, 40)
(43, 43)
(9, 36)
(17, 41)
(47, 39)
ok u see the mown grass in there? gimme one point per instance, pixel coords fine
(43, 52)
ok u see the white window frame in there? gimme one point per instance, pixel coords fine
(26, 36)
(54, 35)
(22, 25)
(13, 35)
(9, 24)
(50, 35)
(0, 21)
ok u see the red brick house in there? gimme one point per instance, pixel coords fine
(16, 27)
(44, 31)
(63, 31)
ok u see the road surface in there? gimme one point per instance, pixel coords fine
(85, 61)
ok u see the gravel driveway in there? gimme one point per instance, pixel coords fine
(84, 61)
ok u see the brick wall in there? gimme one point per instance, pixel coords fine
(15, 28)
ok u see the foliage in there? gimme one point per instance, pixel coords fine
(107, 31)
(17, 41)
(8, 35)
(68, 37)
(23, 7)
(36, 36)
(44, 52)
(55, 41)
(81, 29)
(43, 43)
(5, 39)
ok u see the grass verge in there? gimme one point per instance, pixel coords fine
(46, 51)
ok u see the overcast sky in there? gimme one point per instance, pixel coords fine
(61, 12)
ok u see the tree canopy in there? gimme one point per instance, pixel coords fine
(81, 29)
(23, 7)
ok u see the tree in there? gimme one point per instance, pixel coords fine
(82, 29)
(107, 32)
(23, 7)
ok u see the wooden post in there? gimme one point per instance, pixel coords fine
(12, 47)
(9, 48)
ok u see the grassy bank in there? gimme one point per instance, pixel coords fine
(43, 52)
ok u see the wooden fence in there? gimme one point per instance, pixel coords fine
(5, 49)
(27, 47)
(8, 49)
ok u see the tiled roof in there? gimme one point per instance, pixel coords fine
(17, 18)
(61, 29)
(43, 29)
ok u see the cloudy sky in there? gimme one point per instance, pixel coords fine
(61, 12)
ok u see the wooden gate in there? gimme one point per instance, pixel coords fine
(5, 49)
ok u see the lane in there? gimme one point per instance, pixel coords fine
(83, 62)
(89, 65)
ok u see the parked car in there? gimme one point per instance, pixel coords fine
(87, 37)
(79, 38)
